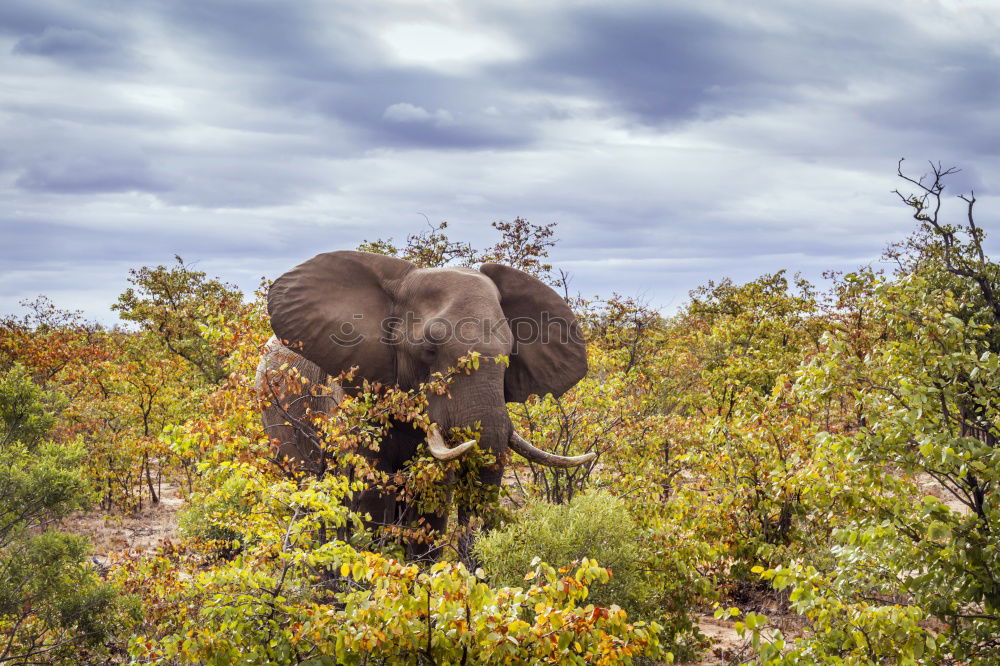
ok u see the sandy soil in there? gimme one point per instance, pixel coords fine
(932, 487)
(143, 530)
(726, 646)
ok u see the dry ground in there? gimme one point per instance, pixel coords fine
(726, 643)
(142, 530)
(930, 486)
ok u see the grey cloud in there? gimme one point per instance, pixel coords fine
(109, 116)
(26, 17)
(659, 63)
(316, 61)
(236, 180)
(404, 112)
(669, 65)
(46, 156)
(95, 35)
(88, 174)
(80, 244)
(75, 46)
(362, 103)
(451, 136)
(304, 39)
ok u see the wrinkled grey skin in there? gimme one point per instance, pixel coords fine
(398, 324)
(286, 418)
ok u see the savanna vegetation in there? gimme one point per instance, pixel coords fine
(816, 467)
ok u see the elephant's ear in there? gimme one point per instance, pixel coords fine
(332, 309)
(549, 354)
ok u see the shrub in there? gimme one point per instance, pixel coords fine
(654, 561)
(290, 598)
(594, 525)
(213, 518)
(53, 606)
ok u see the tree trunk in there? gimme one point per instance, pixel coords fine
(153, 497)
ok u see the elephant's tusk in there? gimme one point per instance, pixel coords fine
(440, 450)
(529, 451)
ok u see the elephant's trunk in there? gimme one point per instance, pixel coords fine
(479, 398)
(472, 399)
(440, 450)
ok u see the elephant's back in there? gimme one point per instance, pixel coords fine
(279, 365)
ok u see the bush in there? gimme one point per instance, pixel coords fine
(290, 597)
(213, 519)
(654, 562)
(594, 525)
(53, 606)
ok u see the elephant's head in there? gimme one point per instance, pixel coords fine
(399, 324)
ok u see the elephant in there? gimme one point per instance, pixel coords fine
(397, 324)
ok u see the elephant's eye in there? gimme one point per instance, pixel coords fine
(427, 352)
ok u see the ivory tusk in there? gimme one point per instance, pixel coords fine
(440, 450)
(534, 454)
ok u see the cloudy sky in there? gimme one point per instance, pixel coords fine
(671, 142)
